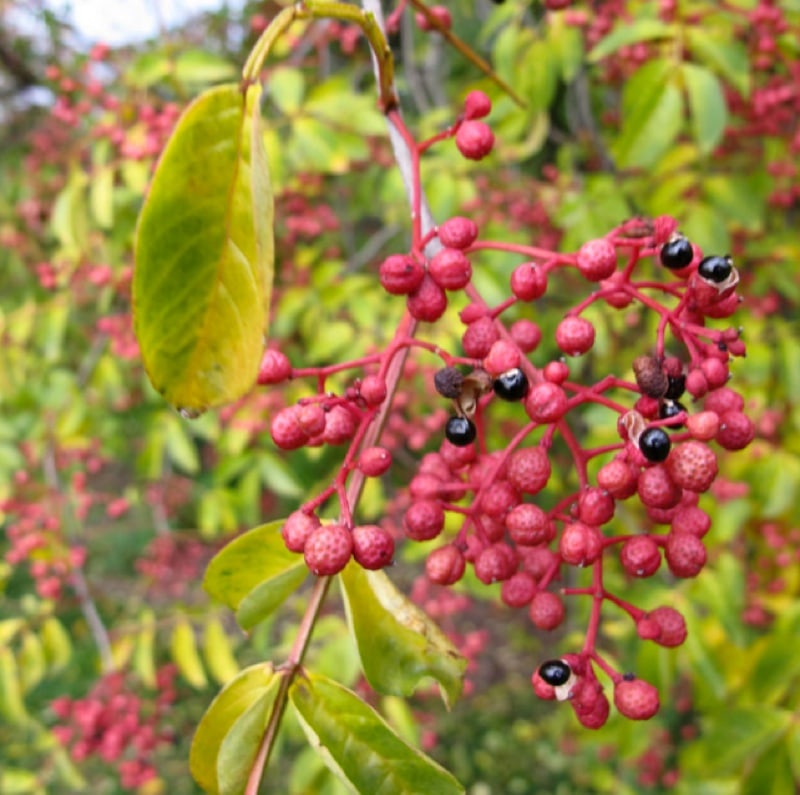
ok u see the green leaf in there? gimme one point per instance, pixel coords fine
(725, 56)
(148, 69)
(183, 650)
(218, 653)
(397, 642)
(771, 774)
(652, 115)
(203, 67)
(144, 661)
(360, 747)
(32, 661)
(709, 113)
(253, 689)
(12, 705)
(204, 255)
(255, 574)
(286, 89)
(626, 33)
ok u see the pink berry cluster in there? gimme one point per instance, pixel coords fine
(117, 727)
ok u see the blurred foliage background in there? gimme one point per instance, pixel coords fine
(111, 504)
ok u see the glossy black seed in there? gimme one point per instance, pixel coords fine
(715, 268)
(448, 382)
(555, 672)
(676, 387)
(671, 408)
(676, 253)
(654, 444)
(511, 385)
(459, 431)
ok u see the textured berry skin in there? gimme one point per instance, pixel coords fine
(526, 335)
(657, 489)
(546, 402)
(428, 302)
(445, 565)
(546, 610)
(448, 381)
(636, 699)
(511, 385)
(297, 528)
(328, 549)
(736, 431)
(502, 357)
(374, 461)
(595, 506)
(722, 400)
(715, 371)
(671, 626)
(275, 368)
(575, 336)
(619, 478)
(685, 554)
(529, 469)
(450, 269)
(311, 418)
(528, 525)
(400, 274)
(693, 466)
(596, 716)
(597, 259)
(286, 431)
(373, 390)
(373, 547)
(479, 337)
(528, 282)
(340, 425)
(691, 519)
(556, 372)
(676, 253)
(497, 500)
(424, 520)
(640, 556)
(477, 105)
(474, 140)
(650, 376)
(518, 589)
(460, 431)
(495, 563)
(580, 544)
(458, 232)
(654, 444)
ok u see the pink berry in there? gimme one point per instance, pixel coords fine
(703, 426)
(374, 461)
(297, 528)
(575, 335)
(546, 402)
(671, 624)
(458, 232)
(373, 390)
(424, 520)
(736, 431)
(556, 372)
(619, 478)
(657, 489)
(595, 506)
(440, 14)
(597, 259)
(340, 425)
(528, 525)
(722, 400)
(519, 589)
(373, 547)
(428, 302)
(502, 357)
(526, 335)
(275, 367)
(445, 566)
(477, 105)
(696, 383)
(498, 499)
(479, 337)
(715, 371)
(474, 140)
(311, 418)
(640, 556)
(693, 466)
(528, 469)
(528, 281)
(636, 699)
(546, 610)
(450, 269)
(495, 563)
(542, 689)
(685, 554)
(580, 544)
(286, 431)
(400, 274)
(691, 519)
(596, 717)
(328, 549)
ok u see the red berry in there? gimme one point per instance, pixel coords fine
(445, 565)
(596, 716)
(374, 461)
(528, 469)
(538, 560)
(715, 371)
(495, 563)
(450, 269)
(597, 259)
(636, 699)
(373, 547)
(556, 372)
(640, 556)
(340, 425)
(526, 335)
(657, 489)
(311, 418)
(328, 549)
(546, 402)
(575, 335)
(692, 465)
(275, 367)
(502, 356)
(297, 528)
(424, 486)
(373, 390)
(440, 14)
(474, 139)
(542, 689)
(546, 610)
(400, 274)
(424, 520)
(722, 400)
(428, 301)
(499, 498)
(736, 431)
(685, 554)
(457, 458)
(696, 383)
(580, 544)
(691, 519)
(477, 105)
(528, 281)
(619, 478)
(703, 426)
(286, 431)
(518, 589)
(529, 525)
(595, 506)
(458, 232)
(671, 624)
(479, 337)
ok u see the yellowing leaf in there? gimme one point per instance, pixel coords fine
(204, 255)
(217, 652)
(183, 648)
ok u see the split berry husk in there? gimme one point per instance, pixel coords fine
(555, 672)
(460, 431)
(654, 444)
(670, 408)
(448, 382)
(715, 268)
(676, 253)
(511, 385)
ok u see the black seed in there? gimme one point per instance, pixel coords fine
(715, 268)
(555, 672)
(671, 408)
(676, 253)
(511, 385)
(654, 444)
(677, 386)
(448, 382)
(459, 431)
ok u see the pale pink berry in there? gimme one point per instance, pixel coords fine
(328, 549)
(373, 547)
(474, 140)
(575, 335)
(597, 259)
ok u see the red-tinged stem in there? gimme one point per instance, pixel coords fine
(597, 604)
(553, 257)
